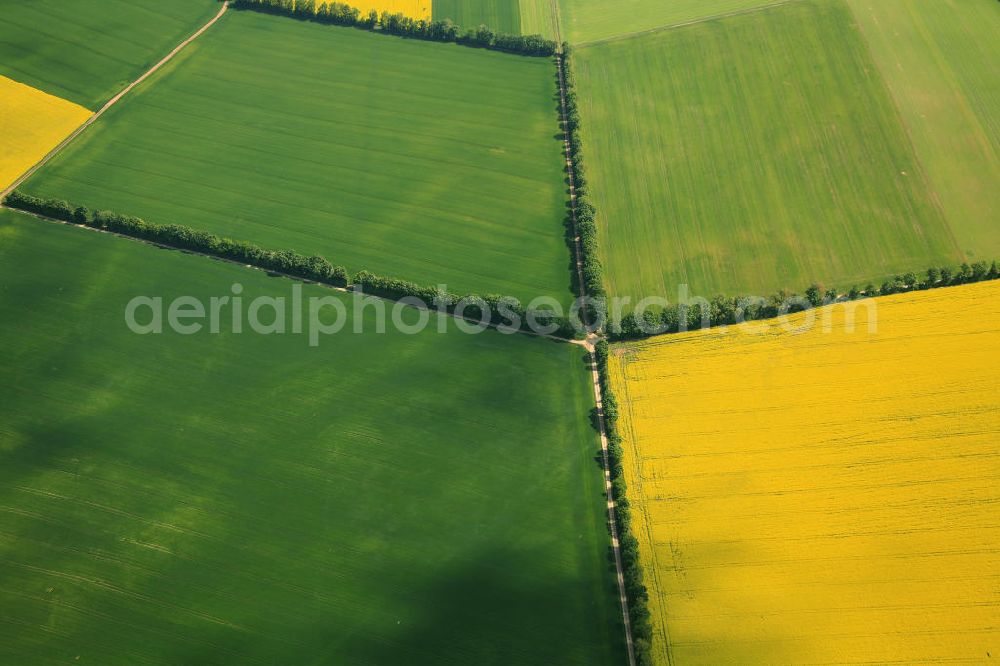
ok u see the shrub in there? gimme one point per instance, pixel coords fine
(628, 546)
(504, 311)
(725, 310)
(585, 214)
(174, 235)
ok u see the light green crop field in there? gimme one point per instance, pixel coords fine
(750, 154)
(500, 15)
(431, 162)
(940, 60)
(540, 17)
(86, 51)
(240, 498)
(586, 21)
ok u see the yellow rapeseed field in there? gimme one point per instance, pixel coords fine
(418, 9)
(31, 124)
(822, 497)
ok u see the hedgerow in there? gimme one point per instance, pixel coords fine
(495, 310)
(500, 311)
(730, 310)
(635, 589)
(337, 13)
(585, 221)
(175, 235)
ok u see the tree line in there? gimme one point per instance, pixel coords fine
(635, 588)
(500, 311)
(731, 310)
(586, 214)
(337, 13)
(178, 236)
(640, 618)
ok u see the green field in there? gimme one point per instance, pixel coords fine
(585, 21)
(500, 15)
(87, 51)
(430, 162)
(752, 153)
(518, 17)
(940, 62)
(379, 499)
(540, 17)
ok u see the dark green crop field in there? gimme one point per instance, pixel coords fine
(430, 162)
(87, 51)
(500, 15)
(753, 153)
(240, 498)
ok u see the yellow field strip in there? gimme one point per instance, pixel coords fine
(822, 497)
(31, 124)
(416, 9)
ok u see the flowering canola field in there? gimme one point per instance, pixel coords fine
(822, 496)
(31, 124)
(418, 9)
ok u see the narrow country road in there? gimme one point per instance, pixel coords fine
(596, 381)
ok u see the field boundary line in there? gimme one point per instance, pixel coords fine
(686, 24)
(111, 102)
(595, 376)
(918, 159)
(507, 330)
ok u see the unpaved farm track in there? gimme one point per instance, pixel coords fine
(596, 382)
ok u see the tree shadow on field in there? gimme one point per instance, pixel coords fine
(497, 608)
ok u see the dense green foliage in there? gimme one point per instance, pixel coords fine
(749, 154)
(429, 162)
(504, 312)
(726, 310)
(404, 26)
(585, 213)
(239, 498)
(176, 235)
(495, 310)
(87, 51)
(635, 588)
